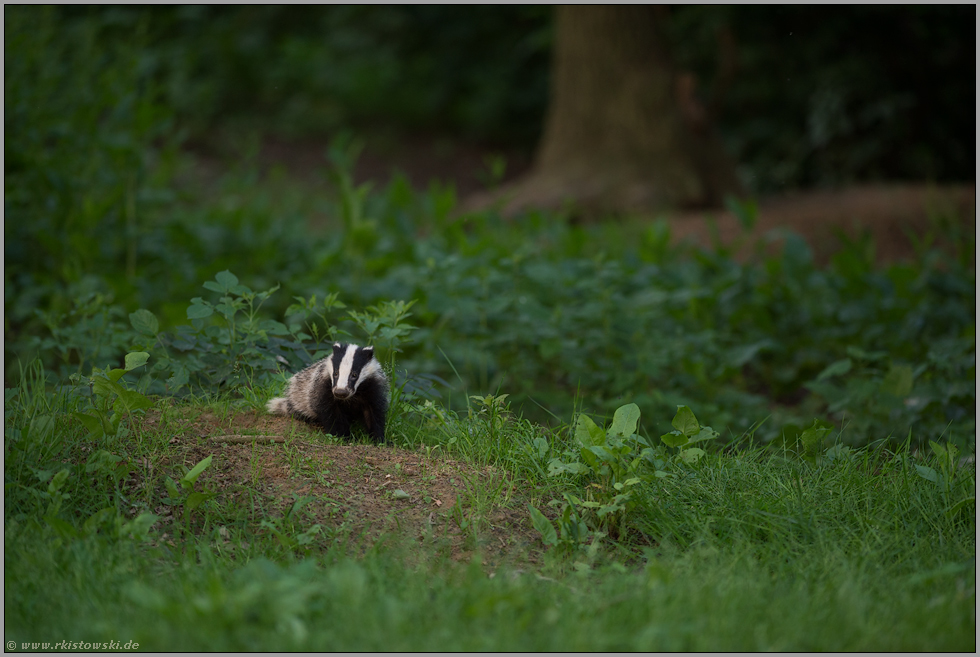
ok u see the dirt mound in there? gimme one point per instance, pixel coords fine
(358, 493)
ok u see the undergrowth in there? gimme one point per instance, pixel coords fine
(101, 210)
(711, 454)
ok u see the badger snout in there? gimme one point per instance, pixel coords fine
(342, 393)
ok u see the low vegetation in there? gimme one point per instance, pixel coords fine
(599, 440)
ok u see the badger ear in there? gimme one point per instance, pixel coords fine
(369, 351)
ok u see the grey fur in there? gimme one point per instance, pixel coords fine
(314, 395)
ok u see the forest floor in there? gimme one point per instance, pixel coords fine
(429, 497)
(898, 217)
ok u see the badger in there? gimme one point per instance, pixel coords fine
(347, 386)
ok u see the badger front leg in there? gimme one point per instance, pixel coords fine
(374, 421)
(335, 424)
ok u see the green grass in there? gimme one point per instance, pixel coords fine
(702, 599)
(759, 549)
(752, 551)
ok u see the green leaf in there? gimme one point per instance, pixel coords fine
(98, 519)
(102, 461)
(548, 534)
(191, 477)
(121, 470)
(41, 427)
(587, 433)
(92, 423)
(898, 381)
(145, 322)
(589, 457)
(685, 422)
(139, 527)
(273, 327)
(179, 379)
(226, 280)
(132, 400)
(57, 482)
(927, 473)
(62, 527)
(309, 536)
(834, 369)
(837, 452)
(399, 494)
(556, 467)
(625, 420)
(136, 359)
(228, 310)
(947, 454)
(603, 453)
(114, 375)
(692, 455)
(610, 508)
(706, 433)
(674, 439)
(196, 499)
(284, 539)
(171, 489)
(199, 311)
(812, 438)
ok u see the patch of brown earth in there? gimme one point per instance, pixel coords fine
(897, 217)
(357, 493)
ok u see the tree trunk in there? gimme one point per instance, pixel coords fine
(623, 132)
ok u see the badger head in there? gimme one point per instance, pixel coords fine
(351, 366)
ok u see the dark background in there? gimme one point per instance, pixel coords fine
(805, 96)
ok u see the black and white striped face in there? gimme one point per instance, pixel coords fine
(349, 367)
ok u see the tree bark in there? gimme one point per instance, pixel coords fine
(623, 132)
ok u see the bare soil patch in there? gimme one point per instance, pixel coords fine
(897, 217)
(359, 493)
